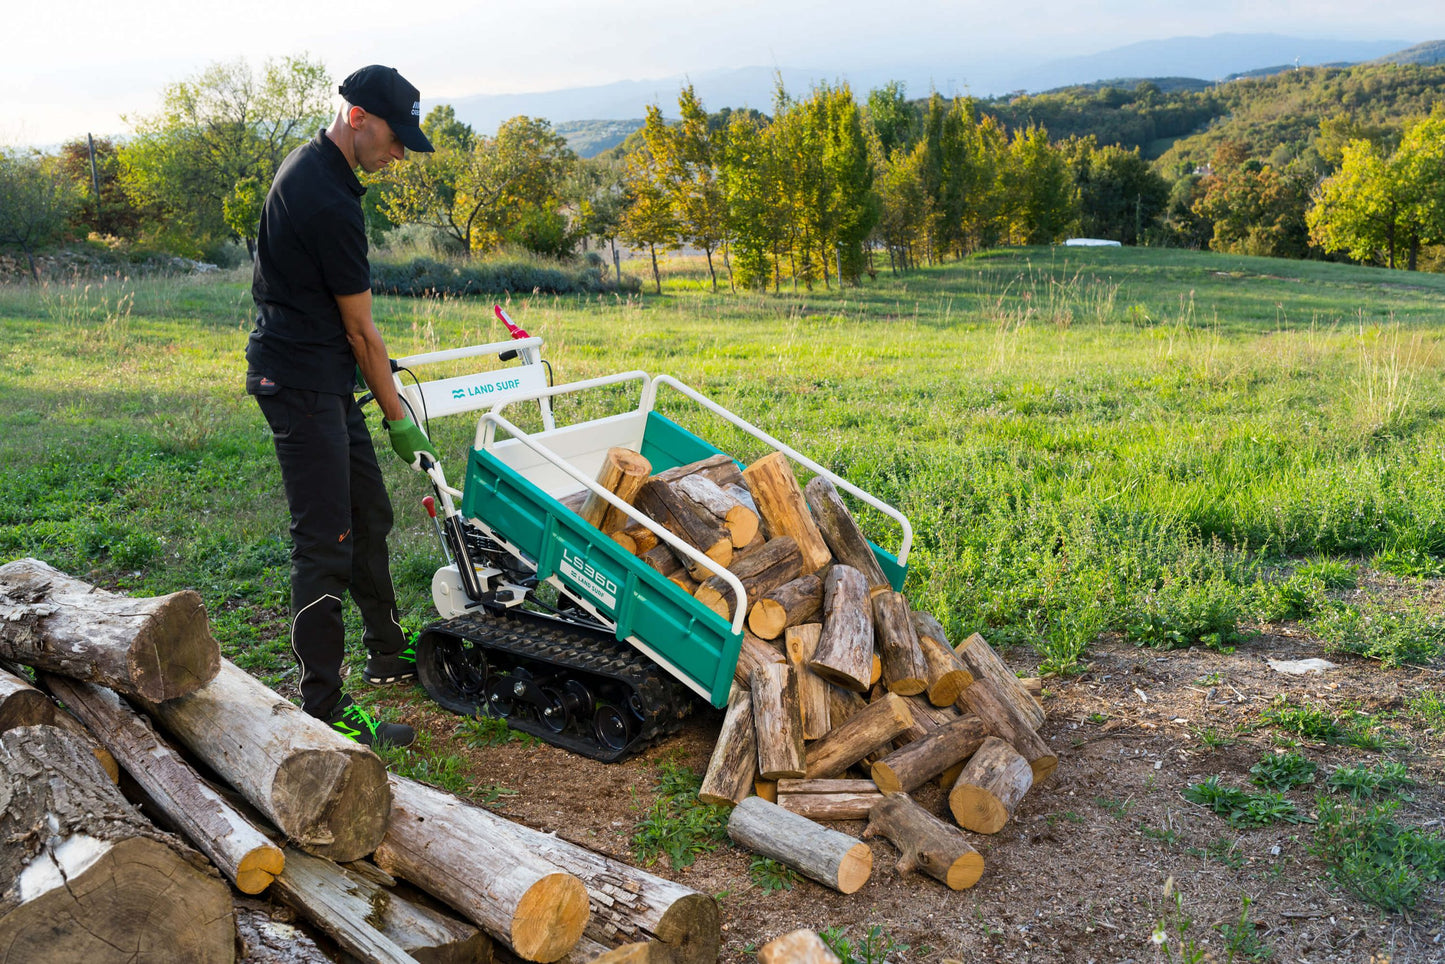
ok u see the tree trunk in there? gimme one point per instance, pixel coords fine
(844, 655)
(801, 643)
(242, 852)
(865, 731)
(904, 670)
(157, 648)
(928, 844)
(461, 855)
(616, 263)
(791, 604)
(841, 533)
(656, 275)
(906, 769)
(327, 794)
(776, 562)
(833, 859)
(777, 721)
(734, 763)
(86, 877)
(799, 947)
(711, 273)
(623, 472)
(781, 504)
(990, 787)
(371, 923)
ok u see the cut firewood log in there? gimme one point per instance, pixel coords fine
(622, 473)
(777, 721)
(832, 859)
(1035, 687)
(845, 650)
(720, 468)
(767, 789)
(828, 799)
(775, 563)
(904, 670)
(867, 730)
(842, 705)
(574, 500)
(739, 490)
(658, 501)
(638, 952)
(740, 521)
(327, 794)
(947, 677)
(791, 604)
(625, 541)
(984, 699)
(157, 648)
(910, 767)
(775, 489)
(370, 922)
(734, 763)
(949, 777)
(800, 643)
(754, 653)
(85, 877)
(841, 533)
(23, 705)
(979, 659)
(928, 844)
(662, 558)
(990, 787)
(643, 538)
(875, 671)
(461, 854)
(799, 947)
(932, 716)
(242, 852)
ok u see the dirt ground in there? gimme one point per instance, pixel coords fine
(1080, 873)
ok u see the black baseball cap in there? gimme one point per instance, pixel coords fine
(387, 94)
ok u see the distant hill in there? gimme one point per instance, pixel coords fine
(1167, 85)
(1430, 52)
(588, 138)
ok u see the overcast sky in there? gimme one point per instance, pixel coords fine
(82, 64)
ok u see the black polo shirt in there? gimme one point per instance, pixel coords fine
(311, 247)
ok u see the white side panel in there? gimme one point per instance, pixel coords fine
(468, 393)
(583, 446)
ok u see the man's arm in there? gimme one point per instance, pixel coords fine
(370, 350)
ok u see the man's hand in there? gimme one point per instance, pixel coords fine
(410, 443)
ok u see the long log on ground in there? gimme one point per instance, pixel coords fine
(734, 763)
(243, 854)
(776, 562)
(947, 677)
(86, 877)
(984, 699)
(979, 659)
(867, 730)
(928, 844)
(910, 767)
(791, 604)
(461, 854)
(623, 472)
(845, 650)
(800, 643)
(720, 468)
(740, 521)
(990, 787)
(831, 858)
(678, 516)
(799, 947)
(264, 937)
(157, 648)
(327, 794)
(840, 531)
(828, 799)
(752, 654)
(777, 721)
(905, 671)
(780, 501)
(370, 922)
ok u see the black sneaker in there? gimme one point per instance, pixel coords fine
(384, 668)
(354, 723)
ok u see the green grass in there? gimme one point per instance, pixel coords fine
(677, 825)
(1241, 808)
(1371, 855)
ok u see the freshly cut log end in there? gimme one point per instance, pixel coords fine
(927, 843)
(258, 868)
(780, 502)
(548, 916)
(831, 858)
(342, 798)
(791, 604)
(990, 787)
(169, 667)
(799, 947)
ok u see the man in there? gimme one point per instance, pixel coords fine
(314, 330)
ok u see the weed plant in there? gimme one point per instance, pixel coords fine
(1411, 634)
(874, 947)
(1284, 771)
(1373, 856)
(1241, 808)
(678, 825)
(1387, 777)
(768, 875)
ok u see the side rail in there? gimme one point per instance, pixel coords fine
(486, 430)
(468, 393)
(650, 397)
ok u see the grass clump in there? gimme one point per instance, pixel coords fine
(1316, 723)
(1187, 613)
(485, 731)
(678, 825)
(1360, 782)
(1371, 855)
(872, 948)
(770, 875)
(1429, 707)
(1284, 771)
(1394, 637)
(1241, 808)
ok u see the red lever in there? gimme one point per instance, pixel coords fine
(431, 506)
(511, 326)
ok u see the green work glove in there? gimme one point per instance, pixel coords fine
(410, 443)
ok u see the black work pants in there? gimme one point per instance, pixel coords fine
(340, 516)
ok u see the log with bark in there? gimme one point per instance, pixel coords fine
(719, 468)
(643, 539)
(775, 563)
(831, 858)
(658, 501)
(947, 677)
(86, 877)
(844, 655)
(791, 604)
(372, 923)
(990, 787)
(799, 947)
(777, 721)
(905, 672)
(23, 705)
(910, 767)
(734, 763)
(840, 531)
(622, 473)
(327, 794)
(828, 799)
(800, 643)
(865, 731)
(986, 702)
(780, 501)
(928, 844)
(158, 648)
(243, 854)
(979, 659)
(740, 521)
(752, 654)
(460, 854)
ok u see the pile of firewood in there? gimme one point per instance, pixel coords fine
(837, 673)
(289, 807)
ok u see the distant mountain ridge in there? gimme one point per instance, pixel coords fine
(1430, 52)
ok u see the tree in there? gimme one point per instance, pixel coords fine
(893, 119)
(651, 216)
(215, 130)
(694, 180)
(1120, 195)
(112, 213)
(852, 207)
(36, 198)
(1039, 190)
(902, 206)
(751, 189)
(598, 197)
(1255, 207)
(242, 210)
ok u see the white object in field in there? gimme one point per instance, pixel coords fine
(470, 393)
(1299, 667)
(1090, 243)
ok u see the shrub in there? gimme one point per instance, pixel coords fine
(1409, 635)
(1373, 857)
(1187, 613)
(507, 274)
